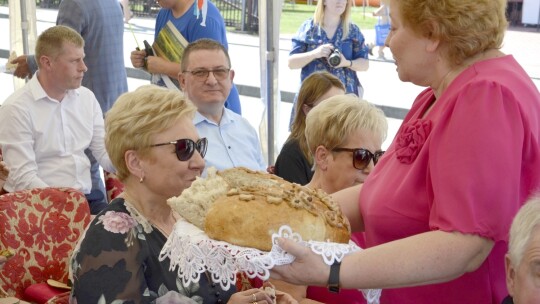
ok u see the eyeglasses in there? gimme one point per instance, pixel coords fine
(202, 75)
(184, 148)
(362, 157)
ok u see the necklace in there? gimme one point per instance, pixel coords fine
(147, 222)
(165, 232)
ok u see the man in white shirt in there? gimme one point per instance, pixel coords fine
(46, 125)
(206, 78)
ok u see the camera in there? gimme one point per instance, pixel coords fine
(335, 58)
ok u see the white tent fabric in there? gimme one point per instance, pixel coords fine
(23, 33)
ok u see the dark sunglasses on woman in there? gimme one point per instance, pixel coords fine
(184, 148)
(361, 157)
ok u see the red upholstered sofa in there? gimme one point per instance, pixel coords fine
(41, 227)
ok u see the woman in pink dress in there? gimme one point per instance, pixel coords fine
(437, 208)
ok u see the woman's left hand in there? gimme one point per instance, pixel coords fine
(345, 63)
(251, 296)
(285, 298)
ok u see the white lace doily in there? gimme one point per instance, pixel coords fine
(193, 252)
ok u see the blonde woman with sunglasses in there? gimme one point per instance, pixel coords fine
(155, 147)
(344, 135)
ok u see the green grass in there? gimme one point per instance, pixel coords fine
(293, 16)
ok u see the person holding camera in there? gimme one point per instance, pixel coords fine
(329, 41)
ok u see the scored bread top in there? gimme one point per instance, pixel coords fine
(195, 202)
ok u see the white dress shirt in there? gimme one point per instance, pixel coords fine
(232, 143)
(43, 140)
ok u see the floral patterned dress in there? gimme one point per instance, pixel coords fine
(117, 261)
(311, 36)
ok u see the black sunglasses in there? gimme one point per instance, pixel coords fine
(361, 157)
(185, 147)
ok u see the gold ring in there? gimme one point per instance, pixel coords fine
(254, 298)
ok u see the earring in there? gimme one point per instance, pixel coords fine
(141, 179)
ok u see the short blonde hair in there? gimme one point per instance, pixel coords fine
(318, 16)
(313, 87)
(468, 27)
(136, 116)
(51, 42)
(524, 223)
(332, 122)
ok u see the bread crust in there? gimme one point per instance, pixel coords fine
(245, 207)
(250, 214)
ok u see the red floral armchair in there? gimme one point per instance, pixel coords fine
(41, 227)
(113, 185)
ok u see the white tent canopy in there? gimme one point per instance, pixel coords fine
(23, 33)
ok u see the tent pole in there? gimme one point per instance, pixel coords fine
(24, 25)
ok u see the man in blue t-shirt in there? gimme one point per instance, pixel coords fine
(206, 23)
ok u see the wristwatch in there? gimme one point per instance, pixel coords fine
(333, 279)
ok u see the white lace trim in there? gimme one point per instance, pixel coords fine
(193, 252)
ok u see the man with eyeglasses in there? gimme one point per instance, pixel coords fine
(206, 79)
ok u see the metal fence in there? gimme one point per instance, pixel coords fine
(239, 15)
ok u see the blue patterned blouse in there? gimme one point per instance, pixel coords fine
(311, 36)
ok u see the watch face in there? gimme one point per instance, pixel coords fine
(334, 289)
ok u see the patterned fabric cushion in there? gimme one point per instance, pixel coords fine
(41, 227)
(113, 185)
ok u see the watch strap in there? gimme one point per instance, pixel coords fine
(333, 279)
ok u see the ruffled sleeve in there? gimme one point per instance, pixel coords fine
(475, 162)
(109, 264)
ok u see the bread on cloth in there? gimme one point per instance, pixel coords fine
(245, 207)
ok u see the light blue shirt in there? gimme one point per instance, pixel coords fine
(232, 143)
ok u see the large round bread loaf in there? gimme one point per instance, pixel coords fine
(255, 205)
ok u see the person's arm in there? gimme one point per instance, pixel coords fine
(348, 202)
(111, 251)
(97, 144)
(26, 66)
(426, 258)
(299, 60)
(158, 65)
(360, 62)
(17, 141)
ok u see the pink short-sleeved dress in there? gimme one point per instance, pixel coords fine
(467, 166)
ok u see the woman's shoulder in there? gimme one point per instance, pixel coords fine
(291, 145)
(354, 31)
(306, 26)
